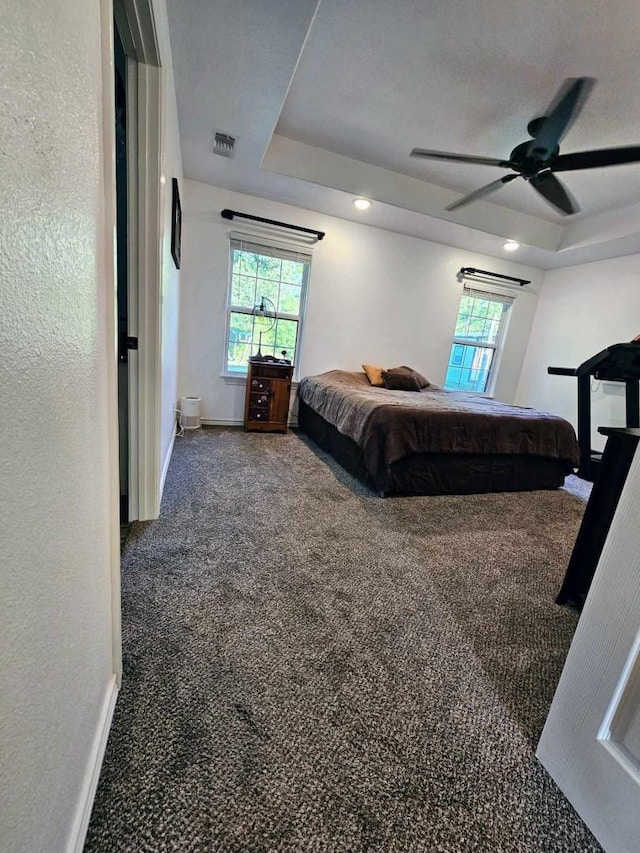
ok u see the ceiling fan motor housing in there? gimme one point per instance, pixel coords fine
(525, 161)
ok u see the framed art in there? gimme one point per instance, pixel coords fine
(176, 223)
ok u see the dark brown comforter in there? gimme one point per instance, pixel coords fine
(391, 425)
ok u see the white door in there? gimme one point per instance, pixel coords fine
(591, 740)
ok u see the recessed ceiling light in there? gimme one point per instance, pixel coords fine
(511, 246)
(362, 203)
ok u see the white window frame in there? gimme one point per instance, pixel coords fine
(286, 249)
(497, 346)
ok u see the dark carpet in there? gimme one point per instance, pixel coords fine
(309, 667)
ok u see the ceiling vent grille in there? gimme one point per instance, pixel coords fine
(223, 143)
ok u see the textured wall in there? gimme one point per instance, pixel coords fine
(55, 626)
(581, 310)
(172, 168)
(374, 296)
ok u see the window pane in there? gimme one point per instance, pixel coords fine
(475, 370)
(495, 310)
(270, 289)
(480, 307)
(466, 303)
(289, 299)
(479, 329)
(240, 340)
(286, 338)
(267, 342)
(269, 267)
(243, 291)
(492, 332)
(462, 325)
(456, 355)
(292, 272)
(245, 263)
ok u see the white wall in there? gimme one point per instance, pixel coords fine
(581, 310)
(55, 468)
(374, 296)
(171, 168)
(58, 461)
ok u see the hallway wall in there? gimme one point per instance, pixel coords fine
(55, 474)
(171, 168)
(58, 458)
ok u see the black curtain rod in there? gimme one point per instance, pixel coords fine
(465, 271)
(231, 214)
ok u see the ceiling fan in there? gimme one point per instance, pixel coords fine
(539, 158)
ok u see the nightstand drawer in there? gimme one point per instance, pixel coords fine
(259, 400)
(258, 414)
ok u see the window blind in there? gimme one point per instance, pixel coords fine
(272, 249)
(478, 293)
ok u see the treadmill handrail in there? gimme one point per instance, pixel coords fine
(562, 371)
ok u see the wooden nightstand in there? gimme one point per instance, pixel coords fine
(266, 405)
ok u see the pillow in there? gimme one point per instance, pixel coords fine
(409, 371)
(400, 382)
(374, 374)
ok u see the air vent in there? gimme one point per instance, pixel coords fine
(223, 143)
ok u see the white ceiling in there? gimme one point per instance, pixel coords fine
(327, 99)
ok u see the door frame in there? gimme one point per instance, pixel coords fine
(145, 284)
(137, 28)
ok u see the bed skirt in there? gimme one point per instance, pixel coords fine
(437, 473)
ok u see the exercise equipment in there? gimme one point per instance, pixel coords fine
(618, 455)
(616, 363)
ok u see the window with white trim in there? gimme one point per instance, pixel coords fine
(477, 341)
(264, 274)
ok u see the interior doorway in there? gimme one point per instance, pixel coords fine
(138, 182)
(125, 341)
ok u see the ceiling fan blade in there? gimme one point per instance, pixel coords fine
(554, 192)
(560, 115)
(594, 159)
(426, 154)
(476, 194)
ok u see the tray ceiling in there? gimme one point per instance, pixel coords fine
(327, 99)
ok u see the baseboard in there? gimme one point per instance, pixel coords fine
(220, 422)
(293, 422)
(92, 774)
(165, 467)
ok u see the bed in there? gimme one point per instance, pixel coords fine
(433, 441)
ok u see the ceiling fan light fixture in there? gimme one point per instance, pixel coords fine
(362, 203)
(511, 246)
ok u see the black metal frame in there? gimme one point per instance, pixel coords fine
(599, 366)
(618, 454)
(232, 214)
(465, 272)
(176, 223)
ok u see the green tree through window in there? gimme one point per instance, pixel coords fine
(479, 333)
(281, 276)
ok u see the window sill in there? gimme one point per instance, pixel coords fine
(234, 378)
(241, 379)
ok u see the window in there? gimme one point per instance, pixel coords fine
(277, 275)
(477, 340)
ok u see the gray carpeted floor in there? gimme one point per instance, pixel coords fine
(309, 667)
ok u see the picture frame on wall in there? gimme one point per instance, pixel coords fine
(176, 223)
